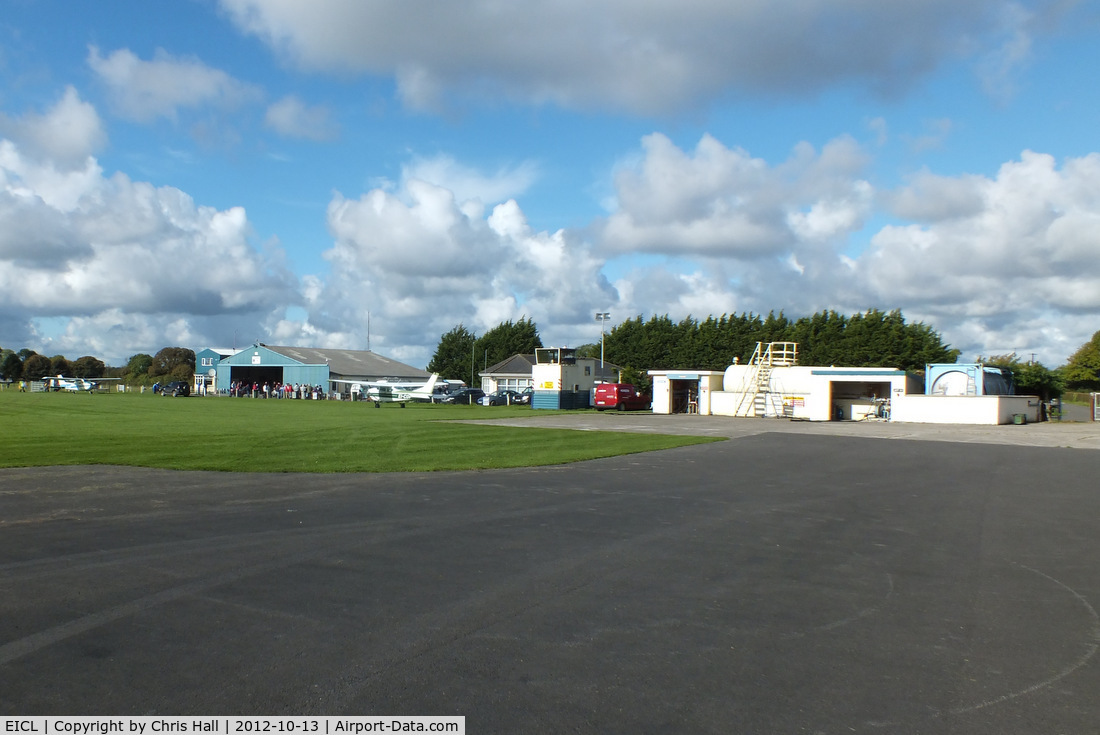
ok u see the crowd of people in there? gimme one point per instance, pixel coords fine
(245, 389)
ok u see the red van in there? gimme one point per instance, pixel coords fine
(621, 396)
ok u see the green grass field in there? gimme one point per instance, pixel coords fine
(246, 435)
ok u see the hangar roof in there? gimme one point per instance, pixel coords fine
(350, 363)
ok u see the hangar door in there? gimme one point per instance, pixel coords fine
(270, 374)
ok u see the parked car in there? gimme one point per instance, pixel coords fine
(525, 395)
(621, 397)
(502, 398)
(176, 388)
(465, 395)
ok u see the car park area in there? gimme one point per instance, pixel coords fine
(468, 396)
(503, 398)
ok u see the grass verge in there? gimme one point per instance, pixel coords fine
(245, 435)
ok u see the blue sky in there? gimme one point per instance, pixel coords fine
(209, 173)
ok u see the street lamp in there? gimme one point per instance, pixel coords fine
(602, 317)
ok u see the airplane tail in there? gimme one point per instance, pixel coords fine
(428, 387)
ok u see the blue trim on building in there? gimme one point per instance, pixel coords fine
(868, 373)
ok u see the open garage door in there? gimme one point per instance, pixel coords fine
(685, 395)
(856, 400)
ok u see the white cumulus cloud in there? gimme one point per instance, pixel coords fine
(65, 135)
(117, 260)
(723, 203)
(145, 90)
(1010, 263)
(421, 263)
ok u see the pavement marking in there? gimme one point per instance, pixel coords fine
(1090, 651)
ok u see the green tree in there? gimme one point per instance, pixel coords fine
(60, 366)
(507, 339)
(622, 345)
(88, 367)
(1034, 378)
(137, 367)
(36, 367)
(638, 378)
(775, 328)
(590, 349)
(11, 367)
(687, 344)
(1030, 378)
(1082, 372)
(173, 363)
(453, 356)
(659, 344)
(139, 364)
(744, 332)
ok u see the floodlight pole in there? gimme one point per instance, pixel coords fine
(602, 317)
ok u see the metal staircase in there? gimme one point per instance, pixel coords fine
(757, 398)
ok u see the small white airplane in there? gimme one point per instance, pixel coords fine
(74, 385)
(379, 393)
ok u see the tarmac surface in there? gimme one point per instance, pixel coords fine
(1077, 434)
(799, 578)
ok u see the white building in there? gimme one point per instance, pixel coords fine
(773, 385)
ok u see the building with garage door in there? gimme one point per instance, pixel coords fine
(331, 369)
(773, 385)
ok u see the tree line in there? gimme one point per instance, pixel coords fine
(170, 363)
(870, 339)
(873, 338)
(26, 364)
